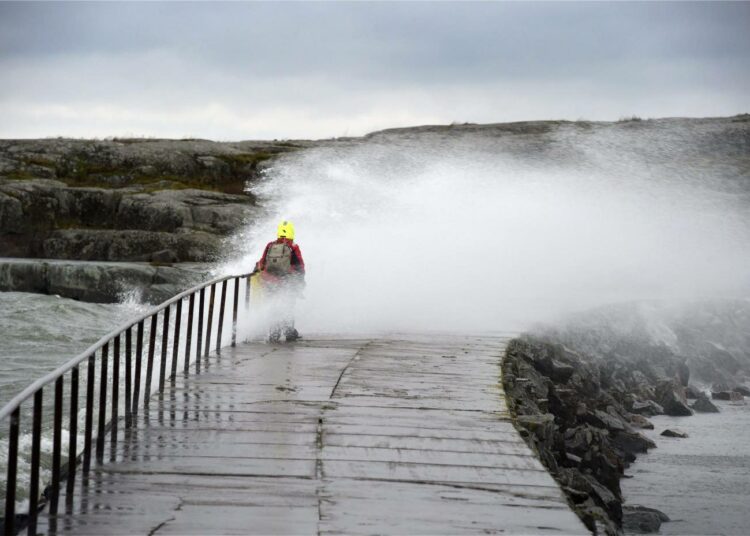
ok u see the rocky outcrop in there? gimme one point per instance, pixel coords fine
(47, 219)
(103, 282)
(121, 200)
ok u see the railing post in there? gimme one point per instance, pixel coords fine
(176, 338)
(200, 327)
(150, 362)
(235, 304)
(115, 397)
(133, 384)
(10, 490)
(138, 361)
(36, 439)
(189, 335)
(164, 343)
(210, 318)
(128, 375)
(247, 294)
(56, 446)
(89, 411)
(222, 306)
(100, 430)
(72, 435)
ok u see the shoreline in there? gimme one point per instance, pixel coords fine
(710, 467)
(586, 418)
(100, 281)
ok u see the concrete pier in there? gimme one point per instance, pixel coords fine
(406, 435)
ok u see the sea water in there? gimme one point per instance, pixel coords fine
(701, 482)
(38, 333)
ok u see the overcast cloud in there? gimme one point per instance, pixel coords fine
(291, 70)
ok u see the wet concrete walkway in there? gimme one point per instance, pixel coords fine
(399, 436)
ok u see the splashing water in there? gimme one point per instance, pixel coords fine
(482, 229)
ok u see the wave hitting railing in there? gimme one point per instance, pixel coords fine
(157, 352)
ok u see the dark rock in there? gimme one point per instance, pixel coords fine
(642, 520)
(639, 421)
(718, 387)
(606, 499)
(561, 372)
(741, 389)
(536, 422)
(102, 282)
(604, 420)
(673, 433)
(692, 392)
(632, 442)
(129, 245)
(670, 397)
(647, 407)
(704, 405)
(732, 396)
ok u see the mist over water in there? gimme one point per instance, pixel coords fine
(481, 229)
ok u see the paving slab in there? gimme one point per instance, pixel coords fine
(408, 434)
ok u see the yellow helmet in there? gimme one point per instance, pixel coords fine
(286, 230)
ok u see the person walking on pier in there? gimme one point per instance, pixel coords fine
(282, 276)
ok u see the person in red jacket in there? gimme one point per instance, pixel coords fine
(282, 271)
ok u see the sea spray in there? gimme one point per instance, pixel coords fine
(483, 229)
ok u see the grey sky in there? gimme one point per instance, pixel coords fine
(284, 70)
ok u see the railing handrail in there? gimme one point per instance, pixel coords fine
(24, 395)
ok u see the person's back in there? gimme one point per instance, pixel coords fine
(282, 271)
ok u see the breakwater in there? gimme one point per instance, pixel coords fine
(584, 396)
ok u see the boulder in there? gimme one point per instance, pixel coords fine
(632, 442)
(704, 405)
(641, 519)
(639, 421)
(741, 389)
(673, 433)
(648, 408)
(606, 499)
(670, 397)
(600, 419)
(732, 396)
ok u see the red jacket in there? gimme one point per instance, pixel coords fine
(298, 264)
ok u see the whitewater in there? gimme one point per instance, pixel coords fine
(481, 229)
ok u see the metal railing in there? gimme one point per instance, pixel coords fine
(109, 349)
